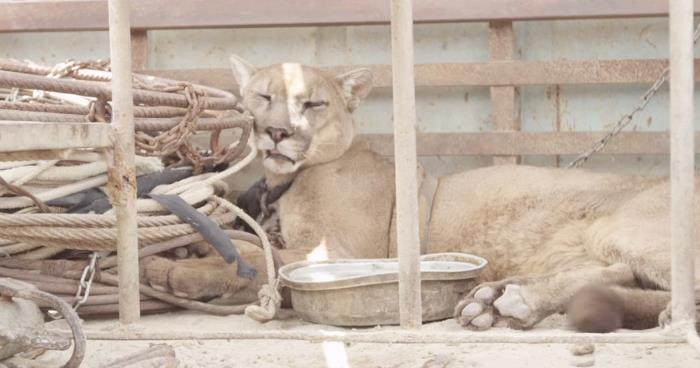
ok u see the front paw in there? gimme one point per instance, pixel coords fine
(476, 311)
(491, 303)
(200, 278)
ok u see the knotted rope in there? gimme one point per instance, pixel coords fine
(270, 298)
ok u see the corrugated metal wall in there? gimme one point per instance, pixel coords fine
(439, 109)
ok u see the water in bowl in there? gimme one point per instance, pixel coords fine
(326, 272)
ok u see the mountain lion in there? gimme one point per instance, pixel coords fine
(546, 232)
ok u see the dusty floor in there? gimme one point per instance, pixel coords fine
(289, 353)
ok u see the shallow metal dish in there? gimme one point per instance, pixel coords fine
(364, 292)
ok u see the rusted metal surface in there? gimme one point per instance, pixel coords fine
(166, 130)
(505, 100)
(160, 14)
(35, 155)
(16, 289)
(102, 90)
(554, 94)
(525, 143)
(146, 125)
(122, 170)
(501, 73)
(31, 136)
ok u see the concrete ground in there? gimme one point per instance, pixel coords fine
(292, 353)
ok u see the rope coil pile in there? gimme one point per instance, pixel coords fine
(167, 116)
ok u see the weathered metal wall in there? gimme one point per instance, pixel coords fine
(440, 109)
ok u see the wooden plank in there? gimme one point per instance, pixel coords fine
(525, 143)
(64, 15)
(31, 136)
(505, 100)
(139, 49)
(500, 73)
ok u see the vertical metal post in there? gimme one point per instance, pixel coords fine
(682, 161)
(122, 174)
(404, 100)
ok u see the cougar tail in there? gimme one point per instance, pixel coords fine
(606, 308)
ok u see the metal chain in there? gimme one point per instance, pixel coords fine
(86, 282)
(626, 119)
(84, 286)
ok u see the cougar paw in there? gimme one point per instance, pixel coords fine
(476, 311)
(489, 304)
(512, 304)
(191, 279)
(155, 271)
(189, 282)
(665, 316)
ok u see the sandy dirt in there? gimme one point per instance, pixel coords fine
(291, 353)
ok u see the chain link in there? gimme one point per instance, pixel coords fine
(626, 119)
(85, 282)
(84, 286)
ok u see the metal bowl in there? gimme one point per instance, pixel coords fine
(364, 292)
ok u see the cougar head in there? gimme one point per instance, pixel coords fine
(303, 116)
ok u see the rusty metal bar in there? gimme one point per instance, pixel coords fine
(103, 90)
(67, 15)
(392, 336)
(404, 99)
(682, 164)
(498, 73)
(31, 136)
(525, 143)
(122, 172)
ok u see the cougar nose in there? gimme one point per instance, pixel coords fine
(277, 134)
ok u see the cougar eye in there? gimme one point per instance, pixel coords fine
(268, 98)
(314, 104)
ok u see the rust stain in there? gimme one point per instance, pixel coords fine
(557, 114)
(557, 107)
(121, 183)
(79, 131)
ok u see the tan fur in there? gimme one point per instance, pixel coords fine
(549, 231)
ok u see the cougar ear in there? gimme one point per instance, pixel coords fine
(242, 70)
(356, 85)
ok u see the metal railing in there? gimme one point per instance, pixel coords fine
(682, 183)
